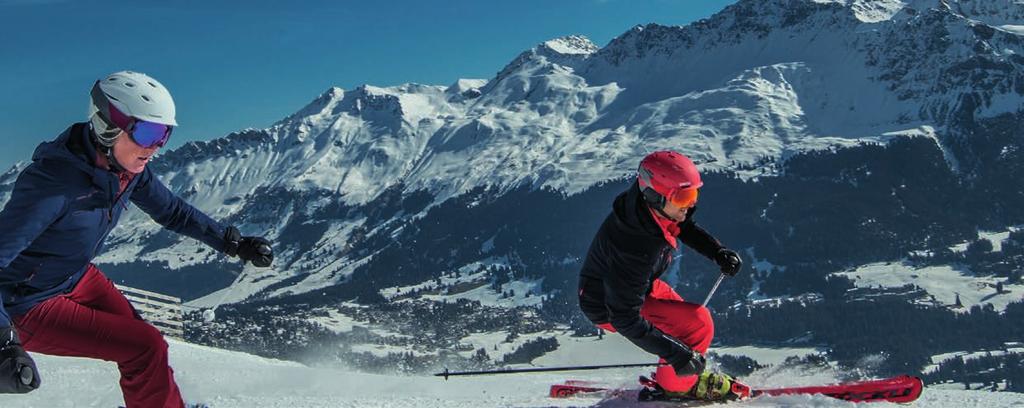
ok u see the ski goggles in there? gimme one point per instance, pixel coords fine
(144, 133)
(683, 198)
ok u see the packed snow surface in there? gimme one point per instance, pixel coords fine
(225, 379)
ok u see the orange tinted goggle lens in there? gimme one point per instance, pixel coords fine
(684, 198)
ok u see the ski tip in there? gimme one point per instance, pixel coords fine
(917, 385)
(900, 389)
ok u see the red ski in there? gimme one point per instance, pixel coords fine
(900, 389)
(572, 387)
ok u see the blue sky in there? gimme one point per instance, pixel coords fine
(237, 64)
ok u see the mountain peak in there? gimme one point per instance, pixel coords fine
(566, 51)
(875, 10)
(322, 103)
(571, 45)
(334, 92)
(467, 88)
(370, 90)
(376, 99)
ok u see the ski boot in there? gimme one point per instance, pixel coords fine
(710, 386)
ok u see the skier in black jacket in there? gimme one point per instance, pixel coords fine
(620, 290)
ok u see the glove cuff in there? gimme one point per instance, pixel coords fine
(9, 337)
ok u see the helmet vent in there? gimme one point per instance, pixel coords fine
(151, 84)
(146, 98)
(129, 84)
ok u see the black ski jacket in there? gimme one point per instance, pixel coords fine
(628, 253)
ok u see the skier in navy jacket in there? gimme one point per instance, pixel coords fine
(53, 300)
(620, 290)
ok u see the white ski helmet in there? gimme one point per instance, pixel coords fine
(134, 94)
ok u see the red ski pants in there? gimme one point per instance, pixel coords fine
(96, 321)
(690, 323)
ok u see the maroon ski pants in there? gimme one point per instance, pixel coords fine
(96, 321)
(689, 322)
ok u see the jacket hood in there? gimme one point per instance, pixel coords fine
(74, 150)
(72, 147)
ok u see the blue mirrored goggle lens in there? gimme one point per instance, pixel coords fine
(149, 134)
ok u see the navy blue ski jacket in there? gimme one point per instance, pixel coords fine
(63, 207)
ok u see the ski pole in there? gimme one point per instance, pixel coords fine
(447, 373)
(210, 315)
(713, 289)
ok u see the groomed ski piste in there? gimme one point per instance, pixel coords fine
(224, 379)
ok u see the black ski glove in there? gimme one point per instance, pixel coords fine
(253, 249)
(686, 361)
(729, 261)
(18, 373)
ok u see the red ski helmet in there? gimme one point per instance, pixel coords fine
(667, 176)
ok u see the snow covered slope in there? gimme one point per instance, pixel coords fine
(226, 379)
(943, 285)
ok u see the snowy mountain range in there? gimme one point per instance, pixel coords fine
(740, 91)
(808, 117)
